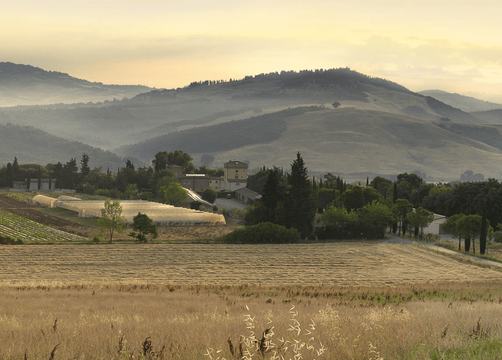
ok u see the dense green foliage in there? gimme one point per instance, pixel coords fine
(209, 195)
(128, 183)
(292, 205)
(262, 233)
(174, 194)
(144, 226)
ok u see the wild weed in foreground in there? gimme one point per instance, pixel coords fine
(298, 343)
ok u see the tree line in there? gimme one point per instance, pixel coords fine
(405, 206)
(155, 182)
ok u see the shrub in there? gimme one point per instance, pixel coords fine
(96, 238)
(102, 192)
(263, 233)
(209, 195)
(497, 236)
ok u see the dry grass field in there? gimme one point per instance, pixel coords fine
(349, 300)
(200, 322)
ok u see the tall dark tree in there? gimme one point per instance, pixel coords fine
(300, 204)
(482, 236)
(9, 175)
(15, 169)
(273, 191)
(39, 178)
(84, 166)
(70, 171)
(129, 164)
(58, 175)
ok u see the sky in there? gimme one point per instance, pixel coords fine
(451, 45)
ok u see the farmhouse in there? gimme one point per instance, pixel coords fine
(235, 175)
(195, 182)
(436, 226)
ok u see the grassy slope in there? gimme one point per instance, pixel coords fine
(349, 141)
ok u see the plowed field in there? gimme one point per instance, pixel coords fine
(364, 264)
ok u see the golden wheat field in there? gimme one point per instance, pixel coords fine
(212, 301)
(289, 264)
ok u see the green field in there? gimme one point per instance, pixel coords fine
(19, 228)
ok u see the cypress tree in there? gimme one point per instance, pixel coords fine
(314, 184)
(367, 181)
(15, 169)
(39, 178)
(320, 183)
(394, 226)
(482, 236)
(300, 205)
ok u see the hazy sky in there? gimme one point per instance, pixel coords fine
(452, 45)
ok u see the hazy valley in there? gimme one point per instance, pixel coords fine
(377, 127)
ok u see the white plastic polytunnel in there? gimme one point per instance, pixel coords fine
(160, 213)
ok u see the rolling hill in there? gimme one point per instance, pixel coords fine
(34, 146)
(346, 141)
(375, 127)
(462, 102)
(159, 112)
(29, 85)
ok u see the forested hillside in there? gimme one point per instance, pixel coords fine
(31, 145)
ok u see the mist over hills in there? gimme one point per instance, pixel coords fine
(462, 102)
(29, 85)
(33, 146)
(342, 121)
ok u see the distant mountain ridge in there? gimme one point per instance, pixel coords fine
(29, 85)
(462, 102)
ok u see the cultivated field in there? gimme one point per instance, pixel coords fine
(348, 263)
(68, 221)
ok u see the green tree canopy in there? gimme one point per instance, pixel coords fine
(377, 216)
(451, 226)
(111, 218)
(144, 226)
(173, 194)
(177, 157)
(210, 195)
(420, 218)
(357, 196)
